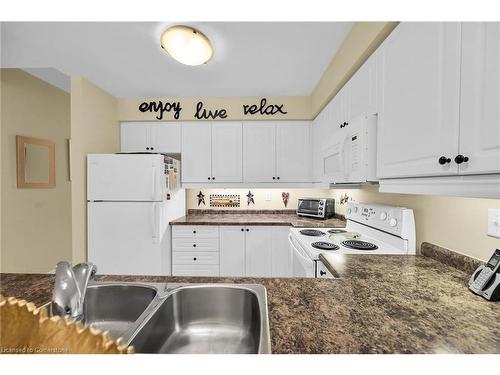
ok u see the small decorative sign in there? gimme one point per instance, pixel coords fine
(224, 200)
(203, 114)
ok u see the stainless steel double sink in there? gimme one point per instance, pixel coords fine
(181, 318)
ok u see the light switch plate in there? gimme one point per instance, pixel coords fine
(494, 222)
(268, 196)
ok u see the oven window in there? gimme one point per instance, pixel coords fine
(309, 206)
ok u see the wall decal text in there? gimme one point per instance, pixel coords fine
(263, 108)
(203, 114)
(161, 107)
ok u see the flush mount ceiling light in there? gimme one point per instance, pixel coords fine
(186, 45)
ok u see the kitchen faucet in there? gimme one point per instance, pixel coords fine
(70, 288)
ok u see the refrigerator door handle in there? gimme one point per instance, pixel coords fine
(154, 223)
(153, 182)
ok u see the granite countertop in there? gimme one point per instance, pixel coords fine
(383, 304)
(259, 218)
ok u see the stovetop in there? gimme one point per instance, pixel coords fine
(353, 239)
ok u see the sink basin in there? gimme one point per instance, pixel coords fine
(207, 319)
(116, 307)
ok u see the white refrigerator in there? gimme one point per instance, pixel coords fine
(128, 213)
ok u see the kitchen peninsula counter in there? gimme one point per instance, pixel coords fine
(383, 304)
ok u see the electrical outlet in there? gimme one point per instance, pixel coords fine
(268, 196)
(494, 222)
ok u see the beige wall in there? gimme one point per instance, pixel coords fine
(275, 201)
(459, 224)
(360, 43)
(36, 223)
(94, 129)
(297, 108)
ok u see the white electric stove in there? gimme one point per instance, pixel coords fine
(370, 229)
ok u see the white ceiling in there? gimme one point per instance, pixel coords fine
(125, 59)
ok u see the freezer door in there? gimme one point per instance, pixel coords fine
(125, 177)
(129, 238)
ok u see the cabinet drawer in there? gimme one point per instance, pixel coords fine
(195, 257)
(195, 231)
(195, 244)
(200, 270)
(322, 272)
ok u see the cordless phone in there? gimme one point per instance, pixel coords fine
(485, 281)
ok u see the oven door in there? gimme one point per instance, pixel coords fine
(302, 265)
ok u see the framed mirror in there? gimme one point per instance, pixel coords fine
(36, 163)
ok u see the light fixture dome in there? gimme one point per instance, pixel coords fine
(186, 45)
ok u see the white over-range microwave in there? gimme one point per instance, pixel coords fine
(351, 156)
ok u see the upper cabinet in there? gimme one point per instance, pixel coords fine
(480, 99)
(211, 152)
(418, 92)
(293, 147)
(259, 151)
(277, 151)
(150, 137)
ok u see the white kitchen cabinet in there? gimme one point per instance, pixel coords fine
(362, 90)
(227, 153)
(418, 90)
(258, 255)
(195, 250)
(232, 250)
(150, 137)
(277, 151)
(211, 152)
(293, 146)
(480, 98)
(196, 152)
(259, 151)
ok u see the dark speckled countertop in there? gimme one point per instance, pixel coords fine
(382, 304)
(286, 217)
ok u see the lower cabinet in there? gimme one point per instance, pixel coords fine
(253, 251)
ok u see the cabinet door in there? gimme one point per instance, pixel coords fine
(480, 98)
(227, 152)
(419, 75)
(134, 137)
(318, 140)
(259, 152)
(293, 163)
(362, 90)
(196, 152)
(165, 137)
(232, 250)
(281, 255)
(258, 257)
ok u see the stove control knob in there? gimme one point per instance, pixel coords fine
(383, 215)
(355, 209)
(393, 222)
(348, 210)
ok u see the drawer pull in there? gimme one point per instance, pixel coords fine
(194, 245)
(194, 258)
